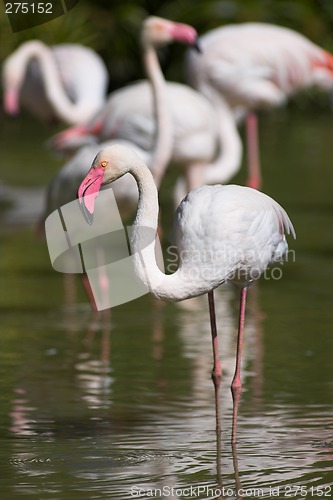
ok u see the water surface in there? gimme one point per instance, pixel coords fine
(122, 405)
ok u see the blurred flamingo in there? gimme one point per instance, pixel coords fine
(223, 234)
(186, 128)
(256, 65)
(65, 82)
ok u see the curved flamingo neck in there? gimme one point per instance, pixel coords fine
(148, 207)
(164, 137)
(64, 108)
(229, 157)
(173, 287)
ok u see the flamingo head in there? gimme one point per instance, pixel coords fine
(12, 78)
(110, 164)
(11, 101)
(157, 31)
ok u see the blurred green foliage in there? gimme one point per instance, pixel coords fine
(112, 27)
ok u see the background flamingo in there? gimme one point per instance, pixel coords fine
(65, 82)
(186, 129)
(223, 234)
(253, 66)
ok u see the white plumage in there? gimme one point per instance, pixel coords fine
(223, 233)
(234, 233)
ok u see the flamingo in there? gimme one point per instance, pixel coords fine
(64, 82)
(223, 234)
(186, 128)
(256, 65)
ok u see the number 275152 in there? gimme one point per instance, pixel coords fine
(28, 8)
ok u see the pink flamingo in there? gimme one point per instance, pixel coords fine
(223, 234)
(65, 82)
(253, 66)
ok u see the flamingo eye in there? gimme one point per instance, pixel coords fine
(104, 164)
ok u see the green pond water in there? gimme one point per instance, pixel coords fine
(122, 406)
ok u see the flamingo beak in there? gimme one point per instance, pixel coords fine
(11, 101)
(185, 34)
(88, 192)
(197, 46)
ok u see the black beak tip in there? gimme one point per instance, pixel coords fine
(88, 216)
(197, 46)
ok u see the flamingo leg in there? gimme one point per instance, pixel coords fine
(103, 283)
(236, 386)
(217, 368)
(194, 176)
(87, 287)
(254, 179)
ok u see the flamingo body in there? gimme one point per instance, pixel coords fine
(129, 115)
(233, 232)
(258, 65)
